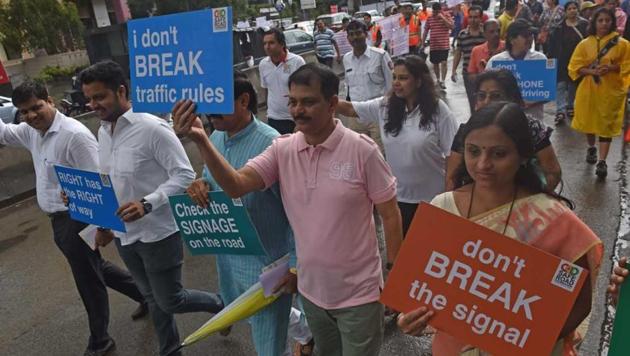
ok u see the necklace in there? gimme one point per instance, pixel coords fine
(507, 221)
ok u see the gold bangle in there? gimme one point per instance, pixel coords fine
(293, 270)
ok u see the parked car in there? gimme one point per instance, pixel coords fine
(299, 41)
(333, 21)
(8, 113)
(306, 26)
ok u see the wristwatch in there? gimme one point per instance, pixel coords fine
(148, 207)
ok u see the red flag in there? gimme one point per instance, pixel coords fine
(4, 78)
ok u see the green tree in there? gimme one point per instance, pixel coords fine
(48, 24)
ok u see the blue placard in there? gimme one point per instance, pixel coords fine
(536, 78)
(182, 56)
(91, 197)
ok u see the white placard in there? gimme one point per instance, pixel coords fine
(308, 4)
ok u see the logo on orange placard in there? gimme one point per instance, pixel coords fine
(567, 275)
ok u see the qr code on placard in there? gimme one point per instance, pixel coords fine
(551, 63)
(220, 19)
(567, 275)
(237, 202)
(105, 181)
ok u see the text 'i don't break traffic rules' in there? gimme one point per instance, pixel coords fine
(182, 56)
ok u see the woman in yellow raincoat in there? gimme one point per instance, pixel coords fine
(601, 64)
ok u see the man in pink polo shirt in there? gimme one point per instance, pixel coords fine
(330, 180)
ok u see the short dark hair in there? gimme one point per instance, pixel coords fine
(243, 85)
(592, 28)
(28, 90)
(345, 19)
(367, 14)
(490, 22)
(107, 72)
(476, 8)
(507, 82)
(571, 2)
(518, 27)
(277, 34)
(312, 73)
(436, 6)
(357, 25)
(511, 4)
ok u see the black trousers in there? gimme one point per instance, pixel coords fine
(282, 126)
(92, 275)
(407, 212)
(326, 61)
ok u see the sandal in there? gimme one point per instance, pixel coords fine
(304, 350)
(559, 118)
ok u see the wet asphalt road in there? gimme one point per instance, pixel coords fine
(41, 313)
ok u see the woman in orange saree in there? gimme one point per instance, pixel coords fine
(498, 186)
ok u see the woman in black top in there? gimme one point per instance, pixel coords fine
(564, 38)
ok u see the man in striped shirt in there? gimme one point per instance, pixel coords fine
(439, 26)
(467, 39)
(325, 44)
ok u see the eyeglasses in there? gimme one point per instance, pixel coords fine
(493, 95)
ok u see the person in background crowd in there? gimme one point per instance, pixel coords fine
(147, 163)
(417, 129)
(325, 45)
(513, 10)
(464, 43)
(498, 187)
(562, 43)
(368, 76)
(375, 37)
(551, 18)
(239, 137)
(344, 23)
(501, 85)
(586, 9)
(481, 54)
(620, 15)
(457, 14)
(274, 71)
(329, 176)
(410, 20)
(601, 64)
(55, 139)
(518, 46)
(439, 26)
(536, 8)
(484, 16)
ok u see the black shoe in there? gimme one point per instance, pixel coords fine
(110, 346)
(591, 155)
(601, 169)
(141, 311)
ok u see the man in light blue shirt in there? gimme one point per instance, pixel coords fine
(240, 137)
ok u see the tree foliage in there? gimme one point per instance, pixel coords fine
(40, 24)
(144, 8)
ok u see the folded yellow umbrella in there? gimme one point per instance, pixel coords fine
(248, 304)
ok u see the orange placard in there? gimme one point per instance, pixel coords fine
(486, 289)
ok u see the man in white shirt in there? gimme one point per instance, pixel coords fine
(147, 163)
(368, 75)
(275, 70)
(55, 139)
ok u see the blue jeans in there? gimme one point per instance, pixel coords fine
(156, 268)
(565, 96)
